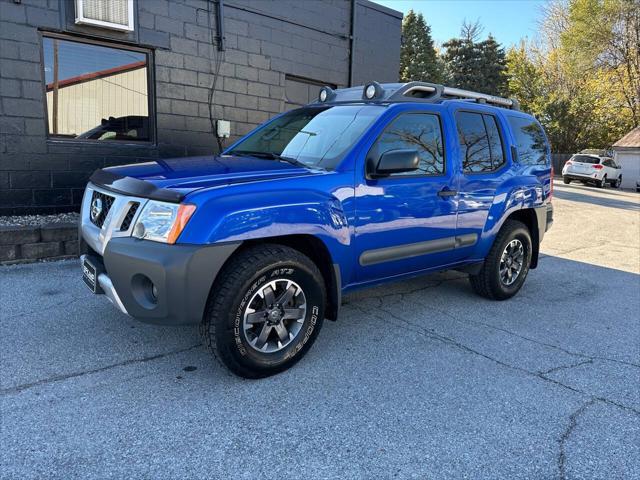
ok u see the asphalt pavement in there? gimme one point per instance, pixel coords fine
(420, 379)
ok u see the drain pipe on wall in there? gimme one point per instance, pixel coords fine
(352, 40)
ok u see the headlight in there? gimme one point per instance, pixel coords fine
(162, 222)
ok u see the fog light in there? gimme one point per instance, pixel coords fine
(144, 291)
(323, 95)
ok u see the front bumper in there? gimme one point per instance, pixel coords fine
(151, 281)
(159, 283)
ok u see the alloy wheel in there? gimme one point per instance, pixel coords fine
(274, 316)
(511, 262)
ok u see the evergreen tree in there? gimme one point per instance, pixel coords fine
(493, 65)
(475, 65)
(462, 63)
(418, 60)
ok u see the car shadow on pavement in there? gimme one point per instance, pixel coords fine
(576, 196)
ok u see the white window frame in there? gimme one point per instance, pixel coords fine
(82, 20)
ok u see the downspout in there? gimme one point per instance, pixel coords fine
(220, 24)
(352, 40)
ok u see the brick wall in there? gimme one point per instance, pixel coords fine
(265, 40)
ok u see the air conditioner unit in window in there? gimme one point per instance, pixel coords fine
(114, 14)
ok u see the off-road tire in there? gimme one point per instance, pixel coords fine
(222, 330)
(566, 180)
(487, 282)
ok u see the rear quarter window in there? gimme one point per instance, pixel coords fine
(531, 142)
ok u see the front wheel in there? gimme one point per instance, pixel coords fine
(566, 180)
(507, 265)
(264, 311)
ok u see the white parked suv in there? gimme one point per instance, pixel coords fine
(592, 169)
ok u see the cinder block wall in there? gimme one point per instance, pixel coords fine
(270, 45)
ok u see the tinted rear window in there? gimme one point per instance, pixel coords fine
(480, 143)
(585, 159)
(530, 140)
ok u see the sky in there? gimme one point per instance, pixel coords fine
(507, 20)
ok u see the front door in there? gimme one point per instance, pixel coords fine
(406, 222)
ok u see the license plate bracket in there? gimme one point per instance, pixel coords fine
(90, 272)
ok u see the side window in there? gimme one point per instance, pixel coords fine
(530, 140)
(495, 142)
(418, 131)
(480, 143)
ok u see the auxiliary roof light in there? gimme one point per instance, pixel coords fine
(372, 90)
(326, 94)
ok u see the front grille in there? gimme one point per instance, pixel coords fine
(99, 208)
(126, 223)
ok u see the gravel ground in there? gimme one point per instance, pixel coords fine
(420, 379)
(38, 220)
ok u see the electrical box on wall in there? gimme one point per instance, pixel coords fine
(223, 128)
(112, 14)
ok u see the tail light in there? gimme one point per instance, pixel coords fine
(568, 162)
(598, 167)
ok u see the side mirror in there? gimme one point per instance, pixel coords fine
(396, 161)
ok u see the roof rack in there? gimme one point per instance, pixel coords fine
(410, 92)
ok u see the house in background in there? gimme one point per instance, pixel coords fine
(627, 155)
(86, 84)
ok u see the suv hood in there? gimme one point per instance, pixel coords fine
(172, 179)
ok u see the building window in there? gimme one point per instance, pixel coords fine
(96, 92)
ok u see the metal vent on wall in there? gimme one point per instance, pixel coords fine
(114, 14)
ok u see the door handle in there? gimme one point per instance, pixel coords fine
(447, 192)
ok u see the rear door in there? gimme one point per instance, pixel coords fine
(583, 164)
(484, 163)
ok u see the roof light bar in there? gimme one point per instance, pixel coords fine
(410, 92)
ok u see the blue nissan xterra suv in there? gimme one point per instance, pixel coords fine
(364, 186)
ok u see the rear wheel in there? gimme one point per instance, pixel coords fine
(618, 182)
(603, 182)
(265, 311)
(507, 265)
(566, 180)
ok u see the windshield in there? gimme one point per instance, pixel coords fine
(311, 136)
(585, 159)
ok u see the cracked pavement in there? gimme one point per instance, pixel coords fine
(420, 379)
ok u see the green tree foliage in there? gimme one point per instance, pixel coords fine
(581, 95)
(475, 65)
(493, 66)
(605, 35)
(418, 59)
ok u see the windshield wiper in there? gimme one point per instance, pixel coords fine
(270, 155)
